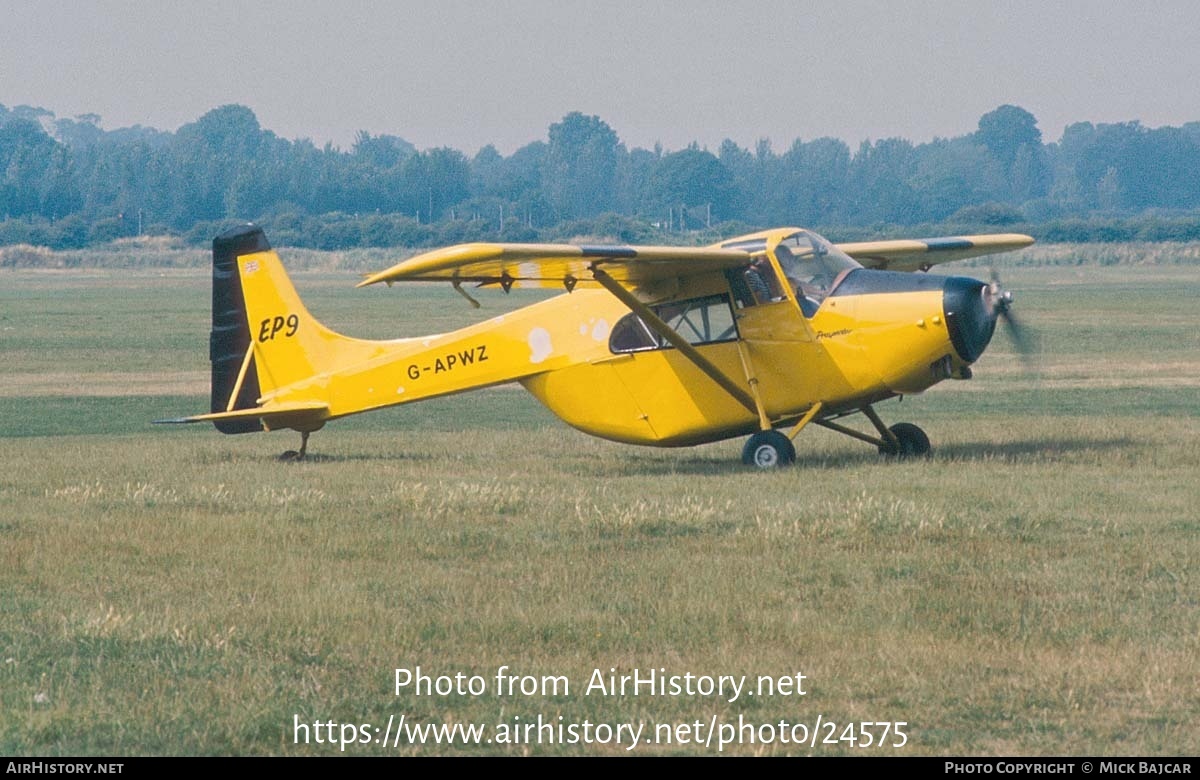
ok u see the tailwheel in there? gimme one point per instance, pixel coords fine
(295, 455)
(768, 449)
(912, 440)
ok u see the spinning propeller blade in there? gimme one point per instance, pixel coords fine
(1000, 301)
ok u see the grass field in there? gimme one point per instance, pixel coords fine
(1030, 590)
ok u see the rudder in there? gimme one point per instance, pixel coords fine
(229, 341)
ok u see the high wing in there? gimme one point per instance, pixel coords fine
(558, 265)
(923, 253)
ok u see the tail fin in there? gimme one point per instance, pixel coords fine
(263, 338)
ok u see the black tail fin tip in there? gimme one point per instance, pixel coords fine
(229, 340)
(239, 240)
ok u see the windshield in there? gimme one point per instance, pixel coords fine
(812, 266)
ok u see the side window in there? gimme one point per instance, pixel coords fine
(630, 334)
(705, 320)
(755, 284)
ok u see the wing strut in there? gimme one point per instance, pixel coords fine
(679, 342)
(764, 422)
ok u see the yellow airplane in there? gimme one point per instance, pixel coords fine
(658, 345)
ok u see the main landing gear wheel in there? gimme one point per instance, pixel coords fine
(768, 449)
(913, 442)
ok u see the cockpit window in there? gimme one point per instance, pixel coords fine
(756, 283)
(812, 266)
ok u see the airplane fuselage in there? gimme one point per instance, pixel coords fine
(856, 349)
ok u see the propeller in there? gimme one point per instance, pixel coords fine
(999, 302)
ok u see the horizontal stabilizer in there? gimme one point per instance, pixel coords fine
(297, 414)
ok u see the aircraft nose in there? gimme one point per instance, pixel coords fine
(969, 317)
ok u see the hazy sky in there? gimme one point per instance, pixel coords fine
(465, 74)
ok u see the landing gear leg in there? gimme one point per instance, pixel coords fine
(293, 455)
(903, 440)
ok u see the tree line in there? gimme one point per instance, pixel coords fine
(67, 183)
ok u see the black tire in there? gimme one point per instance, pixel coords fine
(913, 442)
(767, 450)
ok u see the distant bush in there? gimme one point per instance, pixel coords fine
(104, 230)
(14, 232)
(26, 256)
